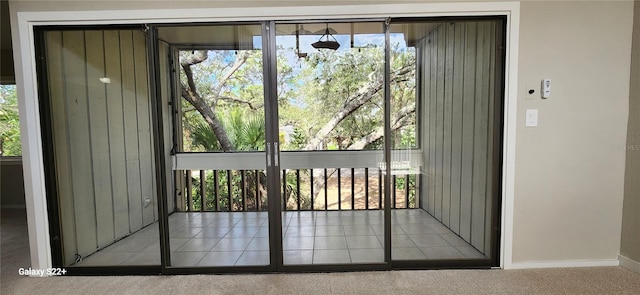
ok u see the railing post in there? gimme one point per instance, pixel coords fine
(366, 188)
(406, 191)
(326, 190)
(353, 189)
(179, 177)
(298, 187)
(189, 192)
(312, 201)
(216, 198)
(229, 190)
(243, 189)
(393, 192)
(284, 190)
(339, 190)
(258, 201)
(203, 202)
(379, 188)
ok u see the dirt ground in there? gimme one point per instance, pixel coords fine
(359, 195)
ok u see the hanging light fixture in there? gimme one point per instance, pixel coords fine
(298, 32)
(327, 43)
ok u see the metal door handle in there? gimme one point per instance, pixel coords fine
(268, 154)
(276, 151)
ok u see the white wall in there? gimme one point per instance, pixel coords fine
(630, 247)
(570, 169)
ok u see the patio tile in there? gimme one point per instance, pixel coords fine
(300, 231)
(213, 232)
(329, 230)
(254, 258)
(441, 252)
(258, 244)
(363, 242)
(407, 254)
(366, 255)
(309, 237)
(329, 221)
(438, 228)
(331, 256)
(358, 230)
(242, 232)
(146, 258)
(415, 228)
(186, 258)
(298, 256)
(470, 252)
(301, 221)
(131, 245)
(184, 232)
(149, 232)
(429, 240)
(263, 232)
(298, 243)
(232, 244)
(400, 241)
(220, 258)
(222, 222)
(173, 244)
(355, 220)
(106, 258)
(330, 243)
(454, 240)
(198, 245)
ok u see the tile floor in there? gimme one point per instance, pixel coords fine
(309, 237)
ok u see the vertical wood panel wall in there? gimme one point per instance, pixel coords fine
(457, 102)
(102, 136)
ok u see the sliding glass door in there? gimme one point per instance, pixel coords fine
(275, 146)
(331, 124)
(220, 217)
(100, 143)
(445, 162)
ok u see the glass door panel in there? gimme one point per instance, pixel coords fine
(102, 147)
(331, 113)
(219, 217)
(443, 134)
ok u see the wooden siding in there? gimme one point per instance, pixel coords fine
(457, 81)
(102, 136)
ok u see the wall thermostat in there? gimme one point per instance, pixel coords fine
(546, 88)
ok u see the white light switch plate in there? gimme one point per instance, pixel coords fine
(531, 119)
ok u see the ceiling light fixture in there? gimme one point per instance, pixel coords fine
(327, 44)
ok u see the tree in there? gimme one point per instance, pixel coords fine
(333, 99)
(9, 122)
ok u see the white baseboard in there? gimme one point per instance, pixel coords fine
(564, 263)
(629, 263)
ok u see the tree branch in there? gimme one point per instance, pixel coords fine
(191, 94)
(238, 100)
(194, 58)
(401, 119)
(241, 58)
(353, 103)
